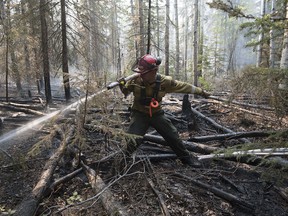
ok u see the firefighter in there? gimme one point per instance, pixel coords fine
(148, 90)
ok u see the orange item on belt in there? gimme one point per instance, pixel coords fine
(153, 104)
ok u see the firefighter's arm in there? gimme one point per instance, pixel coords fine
(176, 86)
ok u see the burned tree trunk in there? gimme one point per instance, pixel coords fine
(229, 136)
(188, 114)
(98, 185)
(30, 204)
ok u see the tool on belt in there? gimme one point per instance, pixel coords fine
(151, 101)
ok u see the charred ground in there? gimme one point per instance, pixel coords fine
(149, 185)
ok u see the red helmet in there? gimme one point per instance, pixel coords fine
(147, 62)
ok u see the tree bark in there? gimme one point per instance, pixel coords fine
(141, 28)
(222, 194)
(195, 42)
(216, 125)
(21, 109)
(167, 24)
(98, 185)
(65, 68)
(229, 136)
(44, 46)
(177, 63)
(195, 147)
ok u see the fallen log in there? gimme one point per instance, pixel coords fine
(157, 156)
(30, 204)
(216, 125)
(21, 109)
(283, 192)
(27, 106)
(112, 207)
(234, 135)
(64, 179)
(160, 198)
(251, 158)
(6, 153)
(195, 147)
(220, 193)
(236, 187)
(246, 111)
(258, 152)
(242, 104)
(175, 119)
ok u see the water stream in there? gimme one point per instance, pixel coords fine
(32, 124)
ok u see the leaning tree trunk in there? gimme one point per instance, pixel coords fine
(195, 43)
(134, 24)
(167, 37)
(177, 63)
(272, 52)
(141, 28)
(284, 57)
(158, 28)
(65, 67)
(45, 56)
(261, 36)
(33, 33)
(149, 29)
(6, 32)
(283, 85)
(14, 63)
(186, 40)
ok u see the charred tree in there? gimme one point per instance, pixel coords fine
(44, 46)
(65, 67)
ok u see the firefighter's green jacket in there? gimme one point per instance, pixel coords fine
(167, 85)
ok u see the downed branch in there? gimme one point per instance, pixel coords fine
(222, 194)
(21, 109)
(195, 147)
(160, 198)
(157, 156)
(108, 202)
(246, 111)
(234, 135)
(216, 125)
(236, 187)
(25, 105)
(251, 157)
(283, 192)
(65, 178)
(259, 152)
(242, 104)
(98, 194)
(30, 204)
(6, 153)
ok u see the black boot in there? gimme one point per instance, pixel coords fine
(191, 161)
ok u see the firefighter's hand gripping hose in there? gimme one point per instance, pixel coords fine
(122, 80)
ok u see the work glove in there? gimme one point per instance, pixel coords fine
(121, 81)
(205, 94)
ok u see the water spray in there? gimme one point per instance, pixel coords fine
(75, 105)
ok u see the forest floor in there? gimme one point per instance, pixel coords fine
(159, 186)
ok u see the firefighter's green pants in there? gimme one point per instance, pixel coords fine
(140, 122)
